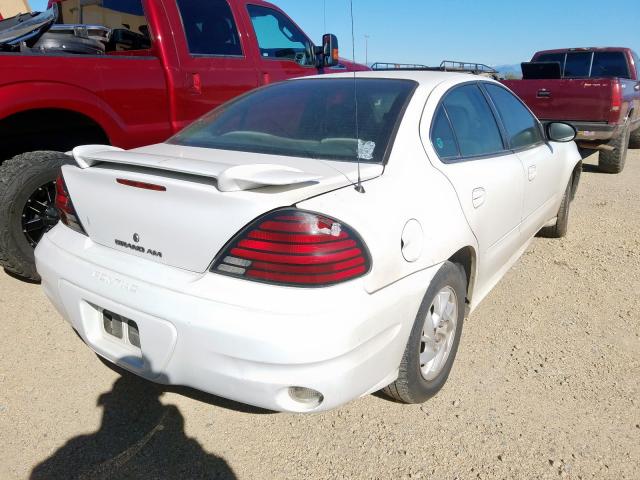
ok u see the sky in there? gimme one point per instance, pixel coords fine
(494, 32)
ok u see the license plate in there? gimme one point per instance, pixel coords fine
(121, 328)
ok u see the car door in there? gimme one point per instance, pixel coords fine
(214, 64)
(542, 166)
(487, 177)
(282, 50)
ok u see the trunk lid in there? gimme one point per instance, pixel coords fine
(205, 197)
(586, 100)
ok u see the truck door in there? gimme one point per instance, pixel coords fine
(214, 65)
(281, 49)
(543, 169)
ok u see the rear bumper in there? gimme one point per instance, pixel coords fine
(237, 339)
(596, 132)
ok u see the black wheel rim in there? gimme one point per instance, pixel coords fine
(39, 214)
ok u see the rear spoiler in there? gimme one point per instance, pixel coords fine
(229, 178)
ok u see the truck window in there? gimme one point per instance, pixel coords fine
(473, 122)
(551, 57)
(210, 27)
(522, 127)
(610, 64)
(125, 18)
(578, 64)
(636, 60)
(278, 38)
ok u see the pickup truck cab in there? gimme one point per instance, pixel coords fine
(159, 65)
(597, 90)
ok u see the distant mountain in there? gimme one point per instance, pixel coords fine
(513, 71)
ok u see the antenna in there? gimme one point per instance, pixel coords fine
(324, 8)
(359, 188)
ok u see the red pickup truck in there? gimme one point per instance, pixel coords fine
(126, 73)
(595, 89)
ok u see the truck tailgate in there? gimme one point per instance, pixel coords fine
(586, 100)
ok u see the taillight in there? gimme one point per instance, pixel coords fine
(296, 248)
(65, 208)
(616, 101)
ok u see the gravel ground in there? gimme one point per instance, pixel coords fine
(546, 385)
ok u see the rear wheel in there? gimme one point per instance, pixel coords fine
(433, 342)
(27, 211)
(612, 161)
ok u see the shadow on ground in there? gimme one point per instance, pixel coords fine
(139, 438)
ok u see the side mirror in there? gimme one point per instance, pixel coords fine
(561, 132)
(330, 50)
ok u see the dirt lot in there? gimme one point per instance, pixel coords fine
(546, 384)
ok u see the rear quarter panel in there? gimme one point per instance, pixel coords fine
(410, 188)
(126, 96)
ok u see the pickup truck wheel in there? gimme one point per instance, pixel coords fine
(612, 161)
(559, 229)
(634, 138)
(434, 339)
(27, 211)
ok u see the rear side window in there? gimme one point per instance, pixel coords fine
(210, 27)
(522, 127)
(125, 18)
(442, 137)
(278, 38)
(610, 64)
(578, 64)
(473, 122)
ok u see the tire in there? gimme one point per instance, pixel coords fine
(634, 138)
(25, 177)
(412, 386)
(561, 226)
(613, 161)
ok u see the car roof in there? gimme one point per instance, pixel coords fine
(427, 79)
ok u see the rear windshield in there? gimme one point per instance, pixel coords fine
(314, 118)
(601, 64)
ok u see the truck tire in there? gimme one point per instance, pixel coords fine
(559, 229)
(413, 384)
(27, 211)
(612, 161)
(634, 138)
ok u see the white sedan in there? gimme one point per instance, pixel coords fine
(296, 249)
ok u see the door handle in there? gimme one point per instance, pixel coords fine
(195, 84)
(544, 93)
(478, 196)
(532, 172)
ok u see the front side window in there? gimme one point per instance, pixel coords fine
(278, 38)
(312, 118)
(473, 121)
(129, 28)
(442, 137)
(609, 64)
(577, 65)
(210, 27)
(522, 127)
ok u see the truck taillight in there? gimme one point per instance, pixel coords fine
(295, 248)
(616, 101)
(65, 208)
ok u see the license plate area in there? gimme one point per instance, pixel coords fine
(121, 328)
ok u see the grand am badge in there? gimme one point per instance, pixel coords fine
(138, 248)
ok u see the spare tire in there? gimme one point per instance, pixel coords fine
(52, 42)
